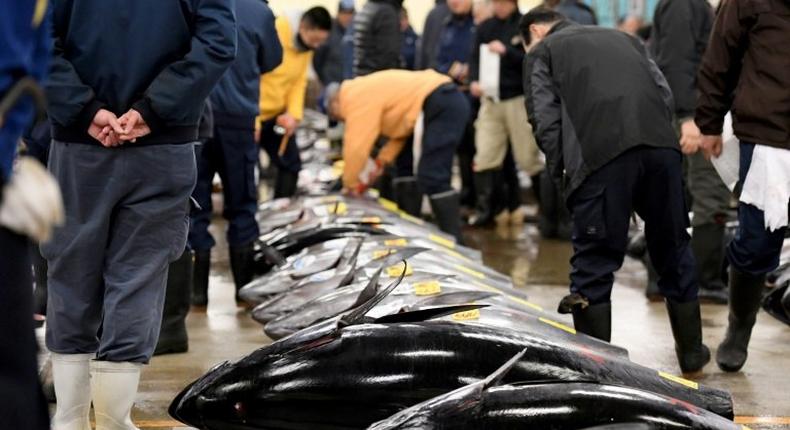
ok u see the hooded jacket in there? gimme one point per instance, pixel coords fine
(746, 69)
(377, 37)
(160, 58)
(593, 94)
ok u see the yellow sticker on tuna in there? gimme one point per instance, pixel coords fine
(339, 208)
(412, 219)
(396, 242)
(428, 288)
(442, 241)
(381, 253)
(558, 325)
(472, 315)
(679, 380)
(388, 205)
(371, 220)
(396, 270)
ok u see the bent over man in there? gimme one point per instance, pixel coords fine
(127, 87)
(578, 80)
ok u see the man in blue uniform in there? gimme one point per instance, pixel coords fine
(232, 152)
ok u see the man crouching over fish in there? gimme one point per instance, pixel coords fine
(602, 114)
(393, 104)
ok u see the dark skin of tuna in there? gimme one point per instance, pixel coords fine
(323, 378)
(553, 406)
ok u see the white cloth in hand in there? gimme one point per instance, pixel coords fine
(767, 185)
(32, 204)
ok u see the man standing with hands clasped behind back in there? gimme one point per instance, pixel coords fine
(126, 182)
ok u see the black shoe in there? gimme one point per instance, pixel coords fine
(242, 265)
(285, 184)
(202, 266)
(745, 296)
(446, 209)
(686, 324)
(707, 244)
(592, 320)
(173, 337)
(407, 195)
(486, 183)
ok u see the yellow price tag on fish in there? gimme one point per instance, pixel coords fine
(329, 199)
(682, 381)
(558, 325)
(388, 205)
(339, 208)
(371, 220)
(396, 270)
(396, 242)
(447, 243)
(472, 315)
(428, 288)
(413, 219)
(381, 253)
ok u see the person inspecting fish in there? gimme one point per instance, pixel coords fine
(127, 86)
(578, 80)
(393, 104)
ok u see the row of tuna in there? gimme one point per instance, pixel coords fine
(381, 321)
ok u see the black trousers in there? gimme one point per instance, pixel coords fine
(648, 181)
(22, 405)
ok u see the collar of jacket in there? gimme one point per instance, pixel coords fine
(561, 26)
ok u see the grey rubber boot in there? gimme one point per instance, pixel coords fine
(745, 296)
(407, 195)
(447, 211)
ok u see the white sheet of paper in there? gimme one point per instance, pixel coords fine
(419, 130)
(728, 165)
(489, 72)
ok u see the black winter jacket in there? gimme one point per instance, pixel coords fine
(161, 58)
(592, 94)
(377, 37)
(507, 32)
(681, 29)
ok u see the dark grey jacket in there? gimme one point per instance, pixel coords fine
(377, 37)
(681, 29)
(592, 94)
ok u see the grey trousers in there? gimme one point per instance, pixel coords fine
(126, 220)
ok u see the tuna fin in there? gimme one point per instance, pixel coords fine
(357, 316)
(352, 266)
(398, 255)
(426, 314)
(496, 377)
(369, 292)
(272, 255)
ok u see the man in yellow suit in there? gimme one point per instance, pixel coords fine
(283, 93)
(393, 103)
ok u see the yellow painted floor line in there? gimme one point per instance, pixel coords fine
(763, 420)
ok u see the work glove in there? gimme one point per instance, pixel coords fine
(31, 201)
(369, 174)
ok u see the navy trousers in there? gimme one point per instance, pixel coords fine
(233, 154)
(22, 405)
(650, 182)
(754, 250)
(446, 113)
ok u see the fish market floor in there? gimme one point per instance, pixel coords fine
(538, 266)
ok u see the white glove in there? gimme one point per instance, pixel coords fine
(32, 204)
(369, 174)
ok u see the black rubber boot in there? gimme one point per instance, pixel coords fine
(447, 211)
(745, 296)
(652, 292)
(242, 265)
(536, 188)
(686, 323)
(592, 320)
(285, 184)
(707, 244)
(486, 211)
(513, 185)
(407, 195)
(200, 272)
(173, 332)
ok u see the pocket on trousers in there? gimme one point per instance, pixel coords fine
(589, 214)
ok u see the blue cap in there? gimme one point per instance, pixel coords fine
(346, 6)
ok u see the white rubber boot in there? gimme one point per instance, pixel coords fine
(71, 375)
(114, 387)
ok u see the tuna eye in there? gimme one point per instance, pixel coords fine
(239, 408)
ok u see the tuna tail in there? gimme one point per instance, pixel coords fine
(272, 255)
(357, 316)
(352, 265)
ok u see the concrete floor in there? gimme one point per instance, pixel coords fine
(538, 266)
